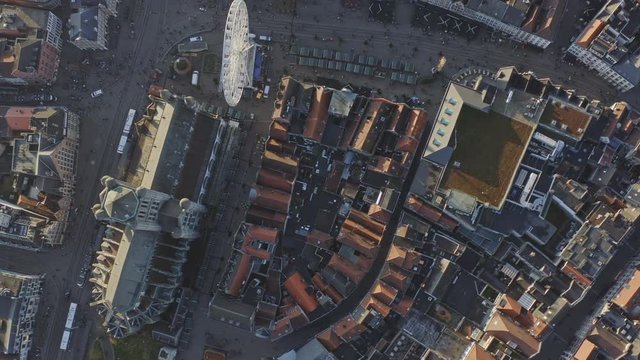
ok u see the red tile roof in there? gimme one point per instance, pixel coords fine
(478, 353)
(254, 233)
(364, 225)
(417, 123)
(379, 214)
(395, 277)
(277, 130)
(276, 179)
(407, 144)
(259, 214)
(629, 294)
(591, 33)
(348, 328)
(608, 342)
(318, 115)
(19, 118)
(278, 146)
(271, 198)
(39, 207)
(403, 258)
(384, 292)
(320, 239)
(365, 137)
(357, 242)
(240, 276)
(387, 165)
(332, 183)
(297, 288)
(403, 306)
(430, 213)
(280, 161)
(329, 339)
(154, 90)
(351, 271)
(397, 116)
(322, 285)
(371, 302)
(575, 274)
(509, 306)
(585, 351)
(504, 329)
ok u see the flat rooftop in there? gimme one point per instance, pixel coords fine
(565, 119)
(10, 283)
(489, 148)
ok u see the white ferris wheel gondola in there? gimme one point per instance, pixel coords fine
(238, 54)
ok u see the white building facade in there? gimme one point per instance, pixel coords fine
(514, 32)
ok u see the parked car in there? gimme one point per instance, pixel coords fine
(196, 38)
(97, 93)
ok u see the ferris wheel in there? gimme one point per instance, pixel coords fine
(238, 54)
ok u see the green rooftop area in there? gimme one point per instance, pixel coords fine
(488, 150)
(139, 346)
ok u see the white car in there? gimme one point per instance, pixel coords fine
(97, 93)
(195, 38)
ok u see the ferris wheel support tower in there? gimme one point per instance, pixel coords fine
(238, 54)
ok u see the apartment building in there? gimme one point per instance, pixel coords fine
(30, 44)
(529, 22)
(19, 299)
(607, 44)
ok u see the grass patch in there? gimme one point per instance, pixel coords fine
(96, 351)
(139, 346)
(489, 147)
(211, 64)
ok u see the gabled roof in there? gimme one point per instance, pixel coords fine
(585, 351)
(478, 353)
(348, 328)
(509, 332)
(320, 239)
(384, 292)
(275, 179)
(84, 24)
(403, 258)
(329, 339)
(351, 271)
(18, 118)
(322, 285)
(604, 339)
(395, 277)
(591, 33)
(318, 116)
(297, 288)
(271, 198)
(377, 305)
(629, 292)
